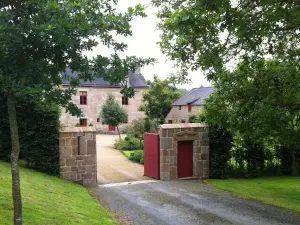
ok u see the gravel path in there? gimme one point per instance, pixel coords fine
(113, 166)
(186, 202)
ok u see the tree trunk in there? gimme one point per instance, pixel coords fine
(119, 132)
(16, 193)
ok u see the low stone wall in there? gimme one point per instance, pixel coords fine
(170, 134)
(78, 159)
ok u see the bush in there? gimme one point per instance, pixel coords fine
(129, 143)
(220, 146)
(137, 156)
(138, 127)
(38, 133)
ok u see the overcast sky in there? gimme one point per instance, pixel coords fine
(142, 43)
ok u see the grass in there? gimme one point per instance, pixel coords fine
(49, 200)
(127, 153)
(279, 191)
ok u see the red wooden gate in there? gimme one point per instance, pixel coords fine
(151, 155)
(185, 159)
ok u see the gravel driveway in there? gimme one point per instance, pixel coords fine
(186, 202)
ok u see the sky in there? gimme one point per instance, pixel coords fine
(143, 43)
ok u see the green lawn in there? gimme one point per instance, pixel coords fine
(127, 153)
(49, 200)
(279, 191)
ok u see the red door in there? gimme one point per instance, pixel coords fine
(151, 155)
(185, 159)
(111, 128)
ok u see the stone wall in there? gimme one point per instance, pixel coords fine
(170, 134)
(96, 97)
(78, 159)
(177, 115)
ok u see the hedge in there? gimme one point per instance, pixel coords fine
(38, 132)
(242, 157)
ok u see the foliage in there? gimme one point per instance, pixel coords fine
(279, 191)
(39, 130)
(55, 201)
(284, 154)
(137, 156)
(220, 146)
(208, 34)
(256, 98)
(138, 127)
(193, 119)
(112, 113)
(158, 100)
(40, 39)
(129, 143)
(260, 100)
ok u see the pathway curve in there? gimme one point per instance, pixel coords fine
(113, 166)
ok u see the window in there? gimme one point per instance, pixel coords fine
(189, 107)
(180, 107)
(98, 120)
(170, 121)
(124, 100)
(126, 120)
(182, 121)
(83, 97)
(83, 122)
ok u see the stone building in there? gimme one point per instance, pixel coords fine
(92, 95)
(190, 104)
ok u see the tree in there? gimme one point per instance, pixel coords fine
(230, 41)
(157, 101)
(209, 34)
(260, 100)
(40, 39)
(112, 113)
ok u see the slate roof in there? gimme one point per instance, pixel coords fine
(136, 80)
(196, 96)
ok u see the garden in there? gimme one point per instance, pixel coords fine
(132, 146)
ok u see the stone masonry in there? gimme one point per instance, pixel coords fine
(170, 134)
(96, 97)
(78, 160)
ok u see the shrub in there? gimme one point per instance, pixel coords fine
(137, 156)
(38, 132)
(129, 143)
(220, 146)
(138, 127)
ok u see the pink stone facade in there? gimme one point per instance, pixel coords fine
(170, 134)
(96, 97)
(181, 114)
(78, 160)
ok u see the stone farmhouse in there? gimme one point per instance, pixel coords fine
(92, 95)
(190, 104)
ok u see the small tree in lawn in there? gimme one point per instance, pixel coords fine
(112, 113)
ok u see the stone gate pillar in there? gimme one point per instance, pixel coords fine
(78, 159)
(170, 135)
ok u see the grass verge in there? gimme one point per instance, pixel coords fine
(49, 200)
(279, 191)
(135, 155)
